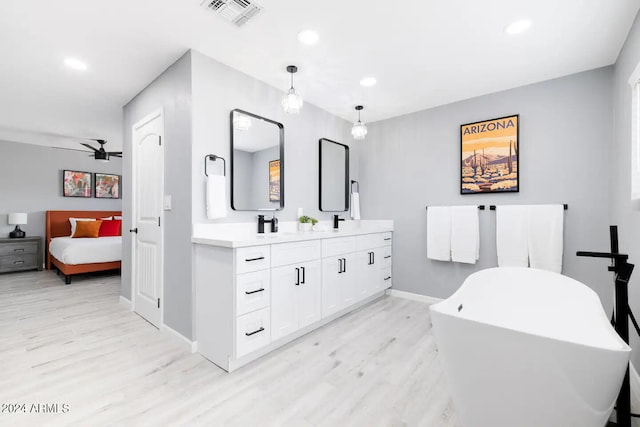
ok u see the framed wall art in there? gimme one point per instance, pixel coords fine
(107, 186)
(76, 183)
(490, 156)
(274, 180)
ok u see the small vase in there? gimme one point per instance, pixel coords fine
(305, 226)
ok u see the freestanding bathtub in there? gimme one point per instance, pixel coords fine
(524, 347)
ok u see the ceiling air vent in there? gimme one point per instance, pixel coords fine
(238, 12)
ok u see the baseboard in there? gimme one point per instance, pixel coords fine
(126, 303)
(194, 347)
(177, 337)
(412, 296)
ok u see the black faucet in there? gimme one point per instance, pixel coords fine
(336, 220)
(262, 221)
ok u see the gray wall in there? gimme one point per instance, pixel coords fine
(413, 161)
(624, 215)
(31, 181)
(172, 92)
(218, 89)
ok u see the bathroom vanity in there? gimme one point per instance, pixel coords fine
(255, 293)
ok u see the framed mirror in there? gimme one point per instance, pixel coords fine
(257, 163)
(334, 176)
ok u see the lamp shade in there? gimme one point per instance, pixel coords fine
(17, 218)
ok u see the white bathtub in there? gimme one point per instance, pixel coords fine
(525, 347)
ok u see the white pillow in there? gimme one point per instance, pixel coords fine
(109, 218)
(73, 223)
(117, 217)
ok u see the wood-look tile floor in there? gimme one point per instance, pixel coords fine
(76, 347)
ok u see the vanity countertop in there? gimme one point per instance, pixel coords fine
(238, 235)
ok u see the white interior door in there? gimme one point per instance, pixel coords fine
(148, 190)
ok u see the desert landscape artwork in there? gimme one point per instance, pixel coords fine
(490, 159)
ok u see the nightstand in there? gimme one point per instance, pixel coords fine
(21, 254)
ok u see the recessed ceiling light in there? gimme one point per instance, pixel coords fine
(518, 26)
(308, 37)
(75, 63)
(368, 81)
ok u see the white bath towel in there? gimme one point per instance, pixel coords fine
(439, 233)
(545, 226)
(355, 205)
(216, 196)
(511, 236)
(465, 234)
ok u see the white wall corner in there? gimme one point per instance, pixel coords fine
(178, 338)
(415, 297)
(126, 303)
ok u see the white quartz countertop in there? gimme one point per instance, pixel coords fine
(238, 235)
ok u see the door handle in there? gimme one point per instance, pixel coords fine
(344, 265)
(298, 276)
(254, 259)
(254, 292)
(303, 276)
(339, 265)
(18, 250)
(134, 230)
(373, 258)
(254, 332)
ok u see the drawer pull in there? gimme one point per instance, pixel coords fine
(387, 278)
(254, 332)
(19, 250)
(388, 256)
(18, 262)
(254, 259)
(387, 238)
(254, 292)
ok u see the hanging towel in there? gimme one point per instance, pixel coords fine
(511, 236)
(216, 196)
(355, 205)
(439, 233)
(465, 234)
(546, 237)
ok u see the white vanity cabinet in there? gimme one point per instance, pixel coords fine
(255, 298)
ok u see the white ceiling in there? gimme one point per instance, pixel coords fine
(423, 53)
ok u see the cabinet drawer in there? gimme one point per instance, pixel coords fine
(370, 241)
(386, 277)
(253, 291)
(253, 258)
(338, 246)
(19, 261)
(292, 253)
(385, 257)
(19, 248)
(253, 331)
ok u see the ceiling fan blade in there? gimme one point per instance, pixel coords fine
(89, 146)
(115, 154)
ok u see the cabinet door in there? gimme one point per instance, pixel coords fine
(284, 307)
(309, 293)
(348, 287)
(331, 285)
(366, 273)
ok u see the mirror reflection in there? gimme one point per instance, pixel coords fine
(257, 162)
(334, 176)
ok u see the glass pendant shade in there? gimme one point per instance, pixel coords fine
(241, 122)
(292, 102)
(359, 130)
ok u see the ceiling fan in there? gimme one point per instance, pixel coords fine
(101, 153)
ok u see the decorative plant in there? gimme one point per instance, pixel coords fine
(307, 219)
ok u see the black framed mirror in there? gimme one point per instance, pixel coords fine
(334, 176)
(257, 162)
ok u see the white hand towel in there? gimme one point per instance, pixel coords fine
(439, 233)
(465, 234)
(216, 196)
(511, 236)
(546, 237)
(355, 205)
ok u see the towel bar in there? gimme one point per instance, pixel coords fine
(493, 207)
(480, 207)
(214, 158)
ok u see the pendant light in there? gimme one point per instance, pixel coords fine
(359, 129)
(292, 101)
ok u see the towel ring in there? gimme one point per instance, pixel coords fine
(214, 158)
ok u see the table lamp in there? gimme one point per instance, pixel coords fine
(17, 219)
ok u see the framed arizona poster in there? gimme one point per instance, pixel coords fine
(274, 180)
(490, 160)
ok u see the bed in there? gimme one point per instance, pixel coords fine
(76, 256)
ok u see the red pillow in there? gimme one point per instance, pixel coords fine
(110, 228)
